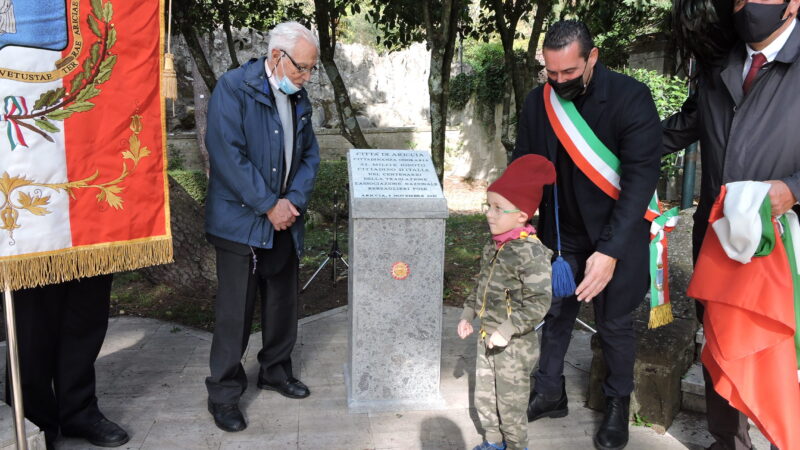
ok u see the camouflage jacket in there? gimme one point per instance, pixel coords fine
(513, 291)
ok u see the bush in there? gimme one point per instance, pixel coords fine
(194, 182)
(331, 180)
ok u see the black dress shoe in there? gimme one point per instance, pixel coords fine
(103, 433)
(227, 416)
(539, 406)
(613, 432)
(291, 387)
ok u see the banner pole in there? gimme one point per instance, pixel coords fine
(13, 361)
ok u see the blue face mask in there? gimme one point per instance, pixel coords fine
(285, 85)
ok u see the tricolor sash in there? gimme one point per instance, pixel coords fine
(602, 167)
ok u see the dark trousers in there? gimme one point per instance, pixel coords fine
(616, 335)
(243, 272)
(60, 329)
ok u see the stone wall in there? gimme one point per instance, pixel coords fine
(389, 92)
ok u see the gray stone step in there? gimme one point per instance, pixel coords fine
(8, 437)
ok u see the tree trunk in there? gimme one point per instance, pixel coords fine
(194, 271)
(226, 27)
(326, 29)
(201, 97)
(543, 10)
(441, 42)
(198, 55)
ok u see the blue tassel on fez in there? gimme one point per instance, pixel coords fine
(563, 279)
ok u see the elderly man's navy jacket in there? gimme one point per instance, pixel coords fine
(245, 147)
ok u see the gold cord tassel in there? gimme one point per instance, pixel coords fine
(169, 78)
(660, 315)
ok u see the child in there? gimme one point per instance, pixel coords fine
(512, 296)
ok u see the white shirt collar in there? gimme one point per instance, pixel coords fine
(272, 81)
(774, 47)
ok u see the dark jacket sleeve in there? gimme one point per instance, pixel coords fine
(227, 150)
(303, 182)
(680, 129)
(640, 155)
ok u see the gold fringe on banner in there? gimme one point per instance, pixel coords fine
(56, 267)
(660, 315)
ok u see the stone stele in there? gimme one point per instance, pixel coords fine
(397, 224)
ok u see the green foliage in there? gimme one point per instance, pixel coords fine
(669, 93)
(615, 24)
(194, 182)
(461, 87)
(488, 80)
(331, 180)
(175, 159)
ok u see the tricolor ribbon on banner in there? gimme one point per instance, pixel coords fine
(14, 106)
(602, 167)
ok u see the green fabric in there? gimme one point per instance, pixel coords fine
(767, 243)
(588, 135)
(788, 243)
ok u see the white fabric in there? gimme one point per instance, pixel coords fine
(739, 230)
(794, 228)
(285, 113)
(41, 162)
(770, 51)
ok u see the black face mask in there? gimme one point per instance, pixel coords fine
(757, 21)
(569, 89)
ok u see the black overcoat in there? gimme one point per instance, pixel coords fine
(622, 114)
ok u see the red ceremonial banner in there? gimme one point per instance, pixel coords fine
(83, 187)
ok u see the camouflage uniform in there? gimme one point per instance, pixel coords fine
(512, 296)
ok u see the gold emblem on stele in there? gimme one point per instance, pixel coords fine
(400, 270)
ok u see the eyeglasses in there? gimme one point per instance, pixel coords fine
(304, 70)
(489, 209)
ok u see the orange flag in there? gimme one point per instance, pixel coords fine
(749, 326)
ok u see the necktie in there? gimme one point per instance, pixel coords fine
(758, 62)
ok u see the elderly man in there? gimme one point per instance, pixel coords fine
(603, 234)
(742, 114)
(264, 159)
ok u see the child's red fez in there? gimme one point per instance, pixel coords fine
(522, 182)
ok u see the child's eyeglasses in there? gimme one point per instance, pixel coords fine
(489, 209)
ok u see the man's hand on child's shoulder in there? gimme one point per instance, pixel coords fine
(464, 328)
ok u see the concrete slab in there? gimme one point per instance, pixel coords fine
(160, 397)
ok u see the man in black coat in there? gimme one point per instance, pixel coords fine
(605, 241)
(60, 329)
(744, 119)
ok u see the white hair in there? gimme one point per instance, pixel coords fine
(285, 35)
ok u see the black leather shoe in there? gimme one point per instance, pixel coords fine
(291, 387)
(227, 416)
(613, 432)
(104, 433)
(539, 407)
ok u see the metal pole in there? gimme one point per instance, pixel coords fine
(690, 155)
(13, 361)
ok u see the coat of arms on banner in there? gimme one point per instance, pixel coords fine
(82, 174)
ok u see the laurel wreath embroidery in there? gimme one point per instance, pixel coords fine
(58, 104)
(36, 202)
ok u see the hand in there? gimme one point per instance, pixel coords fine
(599, 270)
(496, 340)
(780, 197)
(283, 214)
(464, 329)
(791, 10)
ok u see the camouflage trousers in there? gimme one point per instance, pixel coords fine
(502, 388)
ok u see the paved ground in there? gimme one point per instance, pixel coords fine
(150, 380)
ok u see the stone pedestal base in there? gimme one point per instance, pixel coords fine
(8, 436)
(663, 355)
